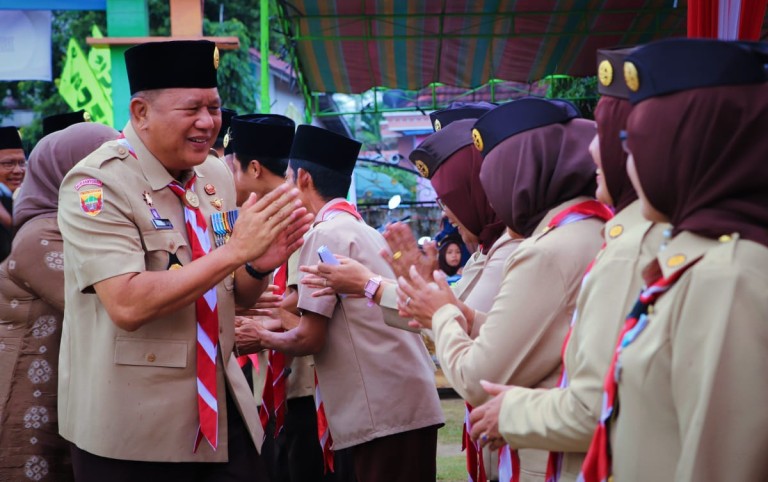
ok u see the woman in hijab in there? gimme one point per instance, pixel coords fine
(689, 371)
(563, 420)
(539, 177)
(449, 257)
(31, 312)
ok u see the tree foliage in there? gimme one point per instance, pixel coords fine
(237, 80)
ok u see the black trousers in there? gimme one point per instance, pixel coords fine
(295, 455)
(244, 464)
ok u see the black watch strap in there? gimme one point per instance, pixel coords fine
(255, 273)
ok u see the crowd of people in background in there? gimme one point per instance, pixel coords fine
(598, 296)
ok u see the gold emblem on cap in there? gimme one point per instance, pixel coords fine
(174, 266)
(616, 231)
(676, 260)
(477, 139)
(438, 125)
(227, 137)
(631, 77)
(422, 167)
(215, 57)
(86, 117)
(605, 73)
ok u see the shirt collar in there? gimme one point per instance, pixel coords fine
(154, 171)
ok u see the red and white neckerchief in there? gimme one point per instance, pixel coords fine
(474, 453)
(323, 430)
(341, 206)
(207, 314)
(273, 397)
(555, 460)
(597, 464)
(277, 362)
(509, 460)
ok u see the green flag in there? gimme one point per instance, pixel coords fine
(80, 87)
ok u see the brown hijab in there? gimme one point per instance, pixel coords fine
(457, 184)
(611, 115)
(530, 173)
(49, 162)
(701, 157)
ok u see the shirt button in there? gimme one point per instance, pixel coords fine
(121, 151)
(151, 358)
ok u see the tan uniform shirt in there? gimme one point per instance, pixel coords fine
(523, 333)
(301, 381)
(564, 420)
(693, 387)
(133, 395)
(375, 380)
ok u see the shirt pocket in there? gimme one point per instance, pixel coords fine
(151, 353)
(159, 246)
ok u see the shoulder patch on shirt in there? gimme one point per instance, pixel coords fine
(92, 200)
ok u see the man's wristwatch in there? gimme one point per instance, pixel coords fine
(371, 286)
(256, 273)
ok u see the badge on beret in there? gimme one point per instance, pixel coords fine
(438, 126)
(86, 117)
(91, 201)
(422, 167)
(631, 77)
(477, 139)
(605, 73)
(216, 58)
(227, 136)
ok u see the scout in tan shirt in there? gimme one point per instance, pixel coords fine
(138, 382)
(376, 382)
(521, 336)
(691, 374)
(261, 144)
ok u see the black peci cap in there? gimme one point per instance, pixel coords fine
(266, 138)
(457, 111)
(10, 138)
(441, 145)
(610, 72)
(60, 122)
(226, 121)
(178, 63)
(673, 65)
(325, 148)
(519, 116)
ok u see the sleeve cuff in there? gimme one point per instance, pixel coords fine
(91, 271)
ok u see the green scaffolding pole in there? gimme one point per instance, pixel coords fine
(264, 50)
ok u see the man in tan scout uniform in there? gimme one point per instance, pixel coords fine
(261, 144)
(147, 375)
(377, 386)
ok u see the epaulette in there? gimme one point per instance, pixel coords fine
(106, 152)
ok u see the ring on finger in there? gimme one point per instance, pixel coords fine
(484, 437)
(397, 255)
(408, 300)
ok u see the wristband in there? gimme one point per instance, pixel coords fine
(254, 273)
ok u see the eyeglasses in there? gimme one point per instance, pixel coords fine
(623, 139)
(9, 165)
